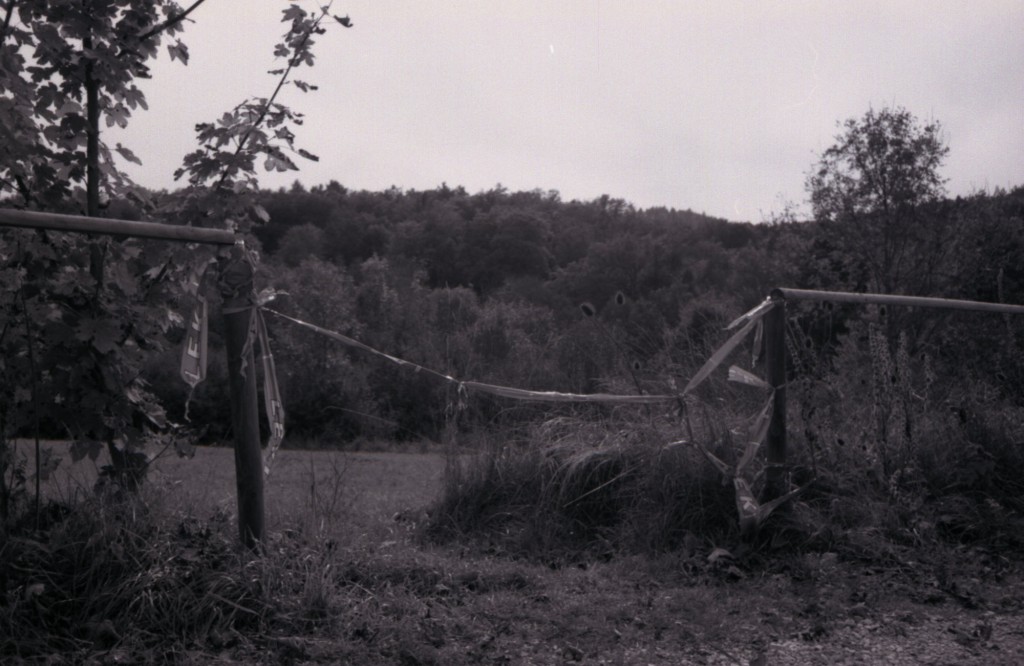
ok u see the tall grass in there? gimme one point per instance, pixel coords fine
(580, 488)
(96, 571)
(894, 450)
(144, 579)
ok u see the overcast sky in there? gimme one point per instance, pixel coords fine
(717, 106)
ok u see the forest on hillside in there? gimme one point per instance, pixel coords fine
(526, 290)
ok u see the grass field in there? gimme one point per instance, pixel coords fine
(342, 495)
(358, 585)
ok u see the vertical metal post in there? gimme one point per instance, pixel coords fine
(775, 366)
(236, 284)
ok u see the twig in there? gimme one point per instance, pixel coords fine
(172, 21)
(7, 20)
(35, 397)
(292, 62)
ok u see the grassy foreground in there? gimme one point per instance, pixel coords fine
(348, 578)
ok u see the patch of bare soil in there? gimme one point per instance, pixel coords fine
(440, 607)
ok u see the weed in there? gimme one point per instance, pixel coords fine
(581, 489)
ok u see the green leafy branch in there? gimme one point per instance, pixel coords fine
(259, 126)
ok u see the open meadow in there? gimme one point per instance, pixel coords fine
(348, 577)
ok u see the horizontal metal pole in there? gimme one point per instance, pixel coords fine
(98, 225)
(887, 299)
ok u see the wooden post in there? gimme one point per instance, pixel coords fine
(96, 225)
(236, 284)
(775, 366)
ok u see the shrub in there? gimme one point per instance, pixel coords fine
(903, 445)
(101, 573)
(582, 488)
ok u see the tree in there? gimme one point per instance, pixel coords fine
(83, 327)
(65, 65)
(300, 243)
(97, 306)
(868, 192)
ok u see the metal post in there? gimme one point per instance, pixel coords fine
(236, 284)
(893, 299)
(775, 366)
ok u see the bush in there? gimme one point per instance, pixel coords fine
(583, 489)
(903, 446)
(101, 573)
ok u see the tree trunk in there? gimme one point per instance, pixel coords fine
(92, 163)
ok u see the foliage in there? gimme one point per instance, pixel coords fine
(583, 488)
(83, 317)
(869, 191)
(221, 173)
(320, 383)
(93, 574)
(899, 448)
(73, 354)
(63, 65)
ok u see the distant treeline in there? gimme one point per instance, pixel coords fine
(524, 289)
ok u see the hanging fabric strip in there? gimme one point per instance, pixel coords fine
(752, 318)
(271, 394)
(192, 366)
(741, 376)
(194, 348)
(753, 314)
(351, 342)
(757, 433)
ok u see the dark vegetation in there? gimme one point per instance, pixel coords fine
(905, 425)
(907, 421)
(474, 284)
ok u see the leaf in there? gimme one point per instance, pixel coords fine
(69, 107)
(293, 13)
(117, 115)
(103, 333)
(279, 163)
(127, 154)
(134, 97)
(308, 155)
(261, 213)
(344, 20)
(178, 51)
(720, 554)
